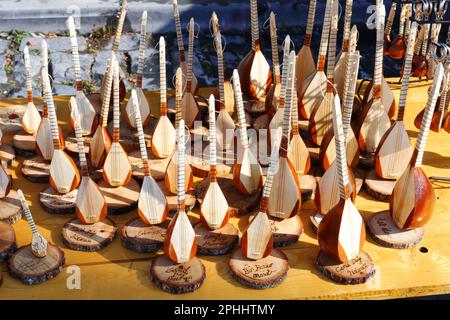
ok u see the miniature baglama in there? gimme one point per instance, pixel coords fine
(31, 118)
(388, 28)
(397, 48)
(273, 95)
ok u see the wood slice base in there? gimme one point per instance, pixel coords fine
(200, 163)
(308, 184)
(177, 278)
(366, 160)
(7, 241)
(71, 144)
(24, 144)
(285, 231)
(172, 202)
(378, 188)
(122, 199)
(355, 271)
(215, 242)
(238, 203)
(157, 166)
(36, 169)
(143, 238)
(57, 203)
(88, 237)
(383, 231)
(260, 274)
(10, 208)
(7, 154)
(315, 220)
(30, 269)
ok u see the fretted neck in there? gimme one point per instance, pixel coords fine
(123, 13)
(27, 211)
(178, 97)
(425, 40)
(75, 55)
(254, 24)
(378, 69)
(176, 15)
(212, 139)
(273, 167)
(142, 44)
(289, 103)
(44, 65)
(332, 44)
(295, 111)
(240, 109)
(407, 20)
(324, 39)
(287, 44)
(218, 41)
(162, 76)
(140, 130)
(190, 55)
(390, 21)
(274, 42)
(406, 71)
(401, 27)
(180, 177)
(116, 105)
(350, 80)
(418, 43)
(427, 116)
(107, 93)
(444, 88)
(347, 25)
(310, 22)
(26, 57)
(79, 138)
(51, 110)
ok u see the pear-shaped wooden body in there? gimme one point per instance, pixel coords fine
(413, 199)
(64, 175)
(44, 140)
(255, 75)
(247, 173)
(152, 205)
(225, 130)
(397, 48)
(170, 177)
(90, 205)
(164, 138)
(321, 119)
(117, 167)
(194, 81)
(342, 232)
(88, 115)
(304, 66)
(314, 89)
(100, 145)
(327, 191)
(327, 152)
(374, 125)
(394, 152)
(214, 211)
(179, 243)
(31, 119)
(229, 102)
(339, 73)
(144, 108)
(257, 240)
(387, 97)
(298, 155)
(446, 123)
(437, 120)
(5, 182)
(189, 109)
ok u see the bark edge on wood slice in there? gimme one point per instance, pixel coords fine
(238, 203)
(56, 203)
(200, 165)
(177, 278)
(7, 241)
(122, 199)
(7, 154)
(10, 208)
(190, 198)
(378, 188)
(356, 271)
(215, 242)
(24, 144)
(143, 238)
(384, 232)
(71, 145)
(265, 273)
(36, 170)
(88, 237)
(36, 270)
(157, 166)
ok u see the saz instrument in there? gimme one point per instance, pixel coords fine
(101, 141)
(189, 105)
(285, 196)
(44, 141)
(314, 86)
(394, 151)
(90, 204)
(184, 68)
(179, 243)
(398, 47)
(117, 167)
(225, 124)
(152, 205)
(341, 64)
(374, 119)
(341, 233)
(413, 198)
(327, 152)
(142, 100)
(254, 70)
(247, 173)
(320, 121)
(171, 174)
(31, 118)
(305, 65)
(419, 63)
(87, 113)
(38, 242)
(388, 28)
(110, 65)
(164, 136)
(257, 239)
(64, 175)
(273, 95)
(214, 211)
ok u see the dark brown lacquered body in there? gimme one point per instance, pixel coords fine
(397, 48)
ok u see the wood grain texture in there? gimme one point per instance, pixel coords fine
(10, 208)
(7, 240)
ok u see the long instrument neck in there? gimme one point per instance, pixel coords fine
(140, 130)
(347, 25)
(390, 21)
(310, 23)
(181, 173)
(107, 93)
(324, 39)
(378, 70)
(123, 13)
(274, 42)
(289, 102)
(212, 140)
(28, 81)
(44, 65)
(287, 44)
(75, 55)
(254, 25)
(176, 15)
(116, 107)
(190, 56)
(162, 76)
(142, 44)
(178, 97)
(240, 110)
(332, 45)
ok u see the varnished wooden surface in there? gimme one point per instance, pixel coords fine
(117, 273)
